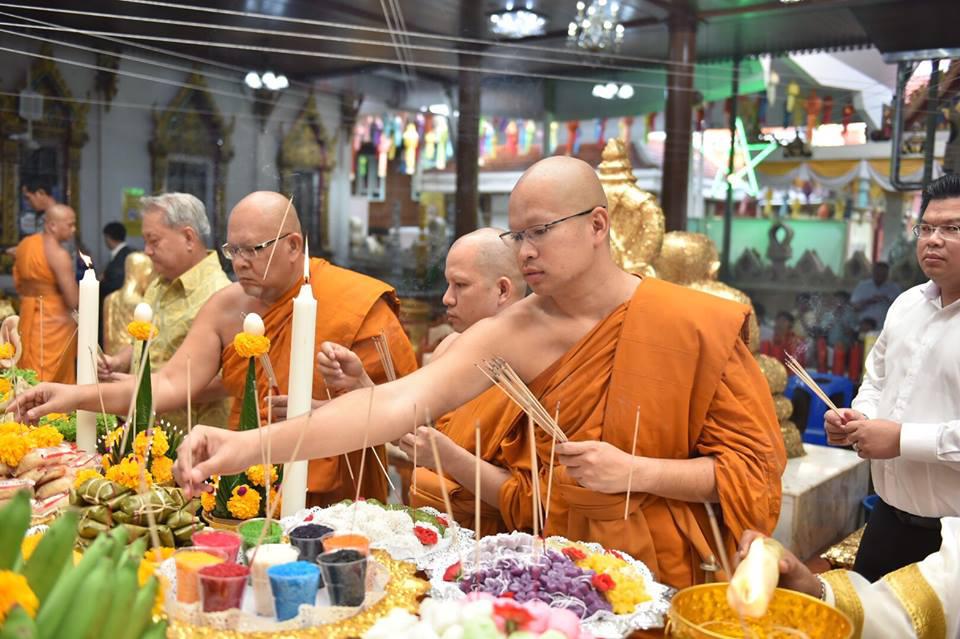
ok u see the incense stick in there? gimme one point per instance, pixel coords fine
(797, 369)
(268, 468)
(535, 474)
(443, 482)
(277, 238)
(633, 456)
(413, 475)
(41, 338)
(553, 450)
(721, 549)
(503, 376)
(346, 457)
(103, 411)
(268, 369)
(476, 497)
(189, 413)
(386, 360)
(151, 519)
(363, 456)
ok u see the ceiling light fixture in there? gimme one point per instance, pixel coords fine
(597, 26)
(610, 91)
(515, 22)
(269, 81)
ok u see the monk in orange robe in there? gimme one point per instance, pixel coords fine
(482, 280)
(44, 276)
(352, 309)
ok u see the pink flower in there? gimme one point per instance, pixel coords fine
(603, 582)
(426, 535)
(453, 572)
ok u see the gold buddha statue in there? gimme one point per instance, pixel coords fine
(118, 306)
(636, 220)
(681, 257)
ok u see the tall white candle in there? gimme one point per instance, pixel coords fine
(89, 317)
(300, 384)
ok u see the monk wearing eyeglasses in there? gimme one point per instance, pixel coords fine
(351, 309)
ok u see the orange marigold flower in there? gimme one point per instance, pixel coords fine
(248, 345)
(15, 591)
(142, 330)
(245, 502)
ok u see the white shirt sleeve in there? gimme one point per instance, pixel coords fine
(931, 442)
(875, 371)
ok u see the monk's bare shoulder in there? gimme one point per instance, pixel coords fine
(223, 312)
(444, 344)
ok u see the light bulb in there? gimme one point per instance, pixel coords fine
(253, 80)
(625, 92)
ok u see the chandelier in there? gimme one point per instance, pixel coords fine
(597, 26)
(517, 22)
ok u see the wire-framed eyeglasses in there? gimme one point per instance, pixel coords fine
(947, 231)
(232, 252)
(536, 233)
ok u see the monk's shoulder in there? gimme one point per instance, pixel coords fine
(683, 310)
(355, 292)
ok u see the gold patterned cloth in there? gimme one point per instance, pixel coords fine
(920, 600)
(175, 304)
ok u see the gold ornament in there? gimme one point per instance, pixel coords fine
(792, 441)
(783, 407)
(774, 372)
(404, 591)
(702, 612)
(686, 258)
(636, 220)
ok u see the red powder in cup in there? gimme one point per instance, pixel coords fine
(225, 570)
(228, 541)
(221, 586)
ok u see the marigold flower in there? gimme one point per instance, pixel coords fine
(162, 470)
(7, 350)
(208, 501)
(127, 473)
(5, 386)
(12, 448)
(158, 448)
(15, 591)
(142, 330)
(256, 475)
(44, 437)
(245, 502)
(248, 345)
(85, 475)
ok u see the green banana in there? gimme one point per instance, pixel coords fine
(87, 603)
(14, 521)
(51, 556)
(54, 608)
(120, 538)
(156, 631)
(124, 590)
(107, 595)
(136, 550)
(141, 612)
(18, 625)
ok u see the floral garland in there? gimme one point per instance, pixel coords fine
(16, 440)
(614, 578)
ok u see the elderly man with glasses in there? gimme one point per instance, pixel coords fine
(618, 355)
(906, 415)
(352, 308)
(176, 233)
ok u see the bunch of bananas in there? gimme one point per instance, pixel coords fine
(98, 596)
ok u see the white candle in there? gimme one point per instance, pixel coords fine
(300, 384)
(89, 312)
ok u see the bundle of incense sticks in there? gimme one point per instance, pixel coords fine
(383, 350)
(503, 375)
(797, 369)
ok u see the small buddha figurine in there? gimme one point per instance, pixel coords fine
(118, 306)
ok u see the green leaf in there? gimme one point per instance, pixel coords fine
(248, 409)
(144, 394)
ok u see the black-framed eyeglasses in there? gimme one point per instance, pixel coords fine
(232, 252)
(947, 231)
(536, 232)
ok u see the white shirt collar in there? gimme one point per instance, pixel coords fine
(116, 249)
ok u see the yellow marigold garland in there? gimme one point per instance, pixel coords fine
(7, 350)
(127, 473)
(15, 591)
(256, 475)
(12, 448)
(158, 448)
(162, 470)
(44, 437)
(245, 502)
(14, 428)
(248, 345)
(142, 330)
(84, 475)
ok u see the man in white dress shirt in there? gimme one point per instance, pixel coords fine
(906, 417)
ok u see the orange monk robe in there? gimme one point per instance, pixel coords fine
(502, 444)
(351, 309)
(34, 279)
(680, 356)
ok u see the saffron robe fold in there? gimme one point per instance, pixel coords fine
(351, 309)
(34, 279)
(681, 356)
(501, 444)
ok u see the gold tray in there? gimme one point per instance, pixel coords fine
(404, 591)
(701, 612)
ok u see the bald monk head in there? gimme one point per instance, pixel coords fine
(251, 232)
(482, 278)
(559, 227)
(60, 222)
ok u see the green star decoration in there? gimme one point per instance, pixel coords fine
(746, 176)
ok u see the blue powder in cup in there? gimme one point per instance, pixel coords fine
(293, 585)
